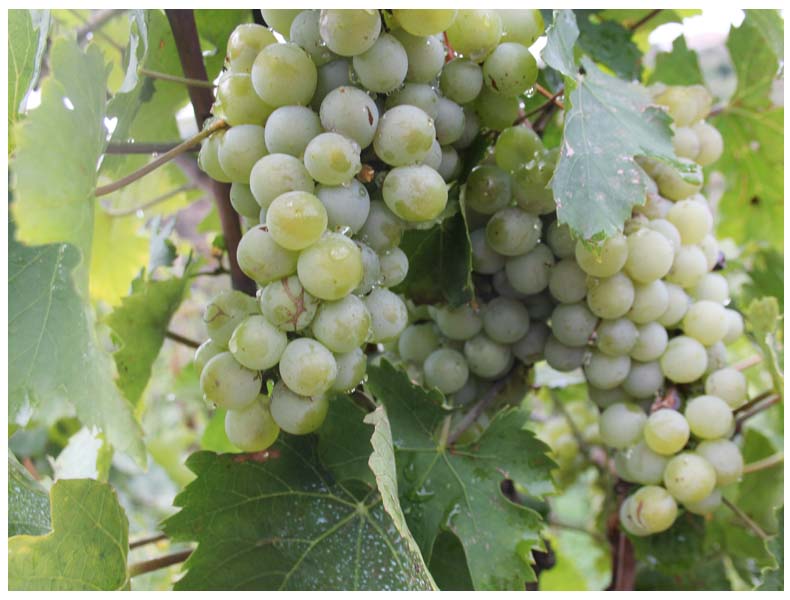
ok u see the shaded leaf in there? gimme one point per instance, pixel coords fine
(773, 578)
(28, 502)
(344, 441)
(448, 564)
(678, 67)
(609, 43)
(763, 322)
(561, 38)
(761, 493)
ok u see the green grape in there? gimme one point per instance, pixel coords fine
(650, 256)
(421, 95)
(450, 165)
(449, 122)
(505, 320)
(417, 342)
(425, 55)
(205, 352)
(725, 457)
(573, 324)
(684, 360)
(350, 32)
(728, 384)
(290, 128)
(283, 74)
(331, 268)
(225, 311)
(471, 129)
(487, 358)
(644, 465)
(287, 305)
(239, 102)
(351, 369)
(262, 259)
(529, 349)
(276, 174)
(627, 522)
(606, 372)
(257, 344)
(252, 428)
(371, 270)
(346, 205)
(650, 343)
(496, 111)
(677, 305)
(208, 158)
(709, 417)
(394, 267)
(510, 69)
(686, 104)
(466, 395)
(522, 26)
(446, 369)
(342, 325)
(227, 384)
(388, 313)
(606, 398)
(713, 287)
(644, 380)
(616, 337)
(240, 148)
(382, 68)
(307, 367)
(689, 477)
(487, 189)
(604, 261)
(461, 323)
(668, 230)
(243, 202)
(475, 33)
(717, 357)
(434, 158)
(610, 298)
(461, 80)
(705, 506)
(706, 322)
(688, 267)
(711, 144)
(244, 44)
(416, 193)
(296, 220)
(621, 466)
(666, 432)
(734, 326)
(280, 19)
(404, 136)
(567, 282)
(382, 230)
(531, 189)
(513, 232)
(424, 22)
(529, 273)
(540, 306)
(621, 425)
(503, 288)
(693, 220)
(305, 33)
(332, 159)
(562, 357)
(653, 508)
(685, 142)
(295, 414)
(332, 75)
(710, 248)
(560, 240)
(516, 146)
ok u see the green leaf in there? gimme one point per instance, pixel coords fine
(609, 43)
(28, 502)
(773, 578)
(54, 359)
(278, 521)
(140, 324)
(763, 320)
(458, 488)
(214, 437)
(678, 67)
(561, 37)
(344, 441)
(215, 27)
(448, 564)
(761, 493)
(753, 48)
(86, 549)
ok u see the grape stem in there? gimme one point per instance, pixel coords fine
(202, 83)
(764, 463)
(124, 212)
(757, 405)
(147, 566)
(145, 541)
(745, 519)
(755, 359)
(644, 19)
(552, 97)
(177, 337)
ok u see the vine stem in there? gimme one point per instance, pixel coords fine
(125, 212)
(644, 19)
(764, 463)
(759, 404)
(147, 566)
(746, 519)
(552, 97)
(142, 147)
(202, 83)
(145, 541)
(160, 160)
(177, 337)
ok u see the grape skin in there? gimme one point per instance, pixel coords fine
(331, 268)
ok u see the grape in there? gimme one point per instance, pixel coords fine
(287, 305)
(425, 55)
(515, 146)
(616, 337)
(529, 273)
(505, 320)
(424, 22)
(290, 128)
(650, 256)
(510, 69)
(382, 68)
(713, 287)
(567, 282)
(725, 457)
(606, 398)
(228, 384)
(332, 75)
(251, 429)
(706, 505)
(417, 342)
(244, 44)
(450, 165)
(486, 358)
(610, 298)
(388, 313)
(238, 101)
(650, 343)
(709, 417)
(382, 230)
(484, 258)
(607, 260)
(717, 357)
(706, 322)
(346, 205)
(728, 384)
(239, 149)
(471, 129)
(562, 357)
(688, 267)
(668, 230)
(686, 143)
(606, 372)
(257, 344)
(351, 368)
(684, 360)
(710, 248)
(512, 231)
(304, 32)
(666, 432)
(277, 174)
(225, 312)
(689, 477)
(349, 32)
(503, 288)
(371, 270)
(461, 323)
(446, 370)
(280, 19)
(434, 157)
(331, 268)
(449, 122)
(421, 95)
(644, 380)
(404, 136)
(208, 158)
(461, 80)
(283, 74)
(573, 324)
(296, 220)
(686, 104)
(734, 326)
(677, 305)
(487, 189)
(205, 352)
(531, 189)
(307, 368)
(529, 349)
(243, 202)
(540, 306)
(621, 425)
(523, 26)
(297, 414)
(332, 159)
(693, 220)
(496, 111)
(675, 186)
(475, 33)
(559, 239)
(627, 521)
(653, 508)
(711, 144)
(394, 267)
(342, 325)
(467, 394)
(262, 259)
(416, 193)
(644, 465)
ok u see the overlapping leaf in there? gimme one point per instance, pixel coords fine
(678, 67)
(28, 502)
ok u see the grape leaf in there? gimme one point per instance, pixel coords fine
(343, 443)
(448, 564)
(28, 502)
(609, 43)
(760, 493)
(630, 17)
(215, 27)
(756, 57)
(458, 488)
(678, 67)
(773, 578)
(762, 320)
(54, 357)
(86, 549)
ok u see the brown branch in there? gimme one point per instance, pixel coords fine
(759, 404)
(177, 337)
(155, 564)
(552, 97)
(182, 23)
(145, 541)
(644, 19)
(144, 147)
(745, 519)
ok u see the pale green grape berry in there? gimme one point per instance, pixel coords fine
(276, 174)
(668, 230)
(382, 68)
(604, 261)
(382, 230)
(573, 324)
(434, 158)
(475, 33)
(287, 305)
(512, 231)
(331, 268)
(332, 159)
(709, 417)
(244, 44)
(562, 357)
(529, 349)
(688, 267)
(567, 282)
(531, 189)
(421, 95)
(651, 342)
(461, 323)
(734, 326)
(689, 477)
(471, 128)
(666, 432)
(529, 273)
(262, 259)
(280, 19)
(653, 508)
(705, 506)
(208, 158)
(706, 322)
(296, 414)
(252, 428)
(510, 69)
(644, 380)
(240, 148)
(487, 189)
(523, 26)
(713, 287)
(467, 394)
(205, 352)
(627, 521)
(693, 220)
(516, 146)
(644, 465)
(560, 240)
(349, 32)
(686, 104)
(388, 313)
(351, 369)
(650, 256)
(678, 303)
(616, 337)
(711, 144)
(346, 205)
(283, 74)
(342, 325)
(684, 360)
(424, 22)
(239, 102)
(496, 111)
(225, 311)
(290, 128)
(610, 298)
(675, 185)
(227, 384)
(415, 194)
(503, 288)
(446, 369)
(621, 465)
(296, 220)
(686, 142)
(307, 367)
(606, 372)
(461, 80)
(417, 342)
(243, 201)
(725, 457)
(728, 384)
(487, 358)
(305, 33)
(449, 122)
(394, 267)
(257, 344)
(606, 398)
(505, 320)
(540, 305)
(350, 112)
(717, 357)
(404, 136)
(485, 259)
(621, 425)
(332, 75)
(425, 55)
(710, 248)
(371, 270)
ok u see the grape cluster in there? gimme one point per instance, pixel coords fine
(340, 139)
